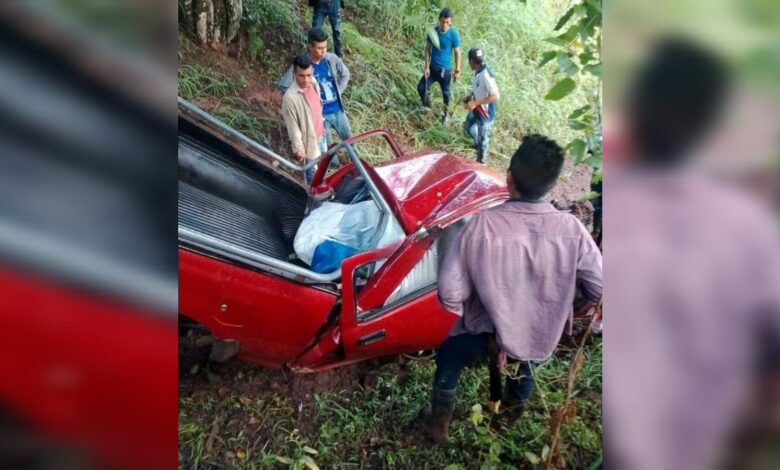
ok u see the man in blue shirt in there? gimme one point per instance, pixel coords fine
(437, 66)
(332, 76)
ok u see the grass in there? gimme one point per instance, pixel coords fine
(386, 55)
(373, 426)
(197, 82)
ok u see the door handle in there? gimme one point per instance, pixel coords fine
(372, 338)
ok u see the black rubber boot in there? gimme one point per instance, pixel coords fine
(435, 420)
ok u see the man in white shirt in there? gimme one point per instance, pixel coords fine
(481, 104)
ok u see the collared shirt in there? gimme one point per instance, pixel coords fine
(514, 268)
(316, 105)
(441, 57)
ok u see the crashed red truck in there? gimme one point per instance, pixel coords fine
(240, 282)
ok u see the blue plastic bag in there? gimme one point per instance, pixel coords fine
(328, 256)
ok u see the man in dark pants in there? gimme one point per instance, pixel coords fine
(512, 272)
(331, 9)
(437, 66)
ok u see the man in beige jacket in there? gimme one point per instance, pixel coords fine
(302, 113)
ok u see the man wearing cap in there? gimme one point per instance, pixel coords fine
(480, 103)
(441, 44)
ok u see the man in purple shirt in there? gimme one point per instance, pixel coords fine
(512, 272)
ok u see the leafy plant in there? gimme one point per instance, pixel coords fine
(578, 58)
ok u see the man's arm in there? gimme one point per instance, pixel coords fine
(454, 282)
(487, 100)
(293, 131)
(286, 81)
(427, 60)
(343, 75)
(456, 51)
(589, 266)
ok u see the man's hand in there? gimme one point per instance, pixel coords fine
(469, 105)
(426, 72)
(301, 154)
(583, 307)
(456, 75)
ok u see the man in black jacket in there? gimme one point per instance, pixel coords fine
(331, 9)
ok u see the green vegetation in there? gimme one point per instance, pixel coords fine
(578, 55)
(197, 82)
(373, 426)
(384, 50)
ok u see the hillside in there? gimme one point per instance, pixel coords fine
(384, 50)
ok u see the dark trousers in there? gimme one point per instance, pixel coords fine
(440, 76)
(458, 352)
(332, 11)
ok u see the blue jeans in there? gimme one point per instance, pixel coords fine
(478, 129)
(308, 173)
(339, 123)
(440, 76)
(332, 11)
(460, 351)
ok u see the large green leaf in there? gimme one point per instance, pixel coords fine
(577, 149)
(565, 38)
(561, 90)
(566, 66)
(565, 18)
(586, 56)
(579, 112)
(595, 69)
(578, 125)
(593, 160)
(546, 57)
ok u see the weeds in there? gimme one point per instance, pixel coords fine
(197, 82)
(374, 426)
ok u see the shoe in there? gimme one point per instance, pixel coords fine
(435, 421)
(443, 118)
(427, 110)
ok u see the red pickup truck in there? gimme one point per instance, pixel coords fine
(240, 206)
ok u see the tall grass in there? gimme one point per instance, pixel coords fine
(374, 426)
(385, 44)
(196, 82)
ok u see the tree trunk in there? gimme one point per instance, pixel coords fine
(211, 22)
